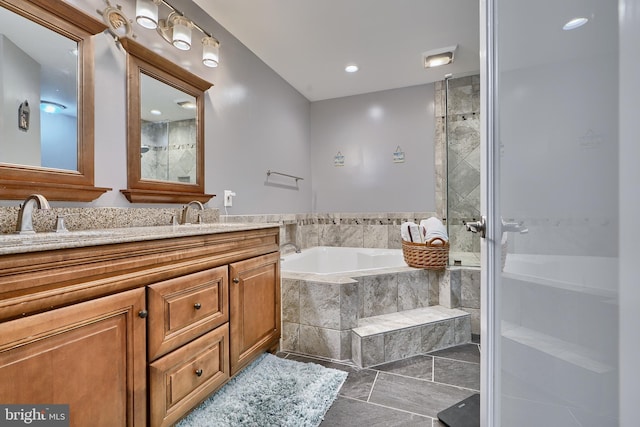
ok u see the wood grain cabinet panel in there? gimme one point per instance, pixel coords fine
(186, 307)
(89, 356)
(186, 376)
(254, 300)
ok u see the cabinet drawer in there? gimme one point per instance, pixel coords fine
(184, 308)
(186, 376)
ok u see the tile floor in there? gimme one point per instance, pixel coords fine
(409, 392)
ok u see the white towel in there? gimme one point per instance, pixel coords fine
(410, 232)
(432, 228)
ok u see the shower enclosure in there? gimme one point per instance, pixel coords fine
(458, 154)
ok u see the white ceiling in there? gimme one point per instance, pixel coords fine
(309, 42)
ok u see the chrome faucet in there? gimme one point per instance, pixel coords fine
(184, 219)
(25, 216)
(297, 249)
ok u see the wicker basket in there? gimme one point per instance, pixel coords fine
(426, 255)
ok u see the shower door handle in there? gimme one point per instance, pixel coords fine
(478, 226)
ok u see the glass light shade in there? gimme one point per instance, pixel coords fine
(210, 52)
(181, 33)
(147, 13)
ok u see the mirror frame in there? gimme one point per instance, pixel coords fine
(141, 60)
(19, 181)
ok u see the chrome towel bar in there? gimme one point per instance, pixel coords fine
(297, 178)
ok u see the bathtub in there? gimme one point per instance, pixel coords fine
(327, 260)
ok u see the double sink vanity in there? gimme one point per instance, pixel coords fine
(134, 326)
(129, 326)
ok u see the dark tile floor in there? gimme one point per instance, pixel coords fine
(409, 392)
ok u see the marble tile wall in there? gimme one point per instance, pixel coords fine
(360, 230)
(171, 153)
(458, 164)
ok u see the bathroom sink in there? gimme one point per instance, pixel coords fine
(15, 243)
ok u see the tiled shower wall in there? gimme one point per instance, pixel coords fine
(172, 151)
(458, 165)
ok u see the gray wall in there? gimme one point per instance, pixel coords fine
(255, 121)
(367, 129)
(19, 82)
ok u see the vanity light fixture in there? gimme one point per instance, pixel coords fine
(51, 107)
(438, 57)
(147, 13)
(176, 29)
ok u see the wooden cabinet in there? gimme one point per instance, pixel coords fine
(188, 327)
(89, 356)
(255, 308)
(136, 333)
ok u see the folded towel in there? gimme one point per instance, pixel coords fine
(432, 228)
(410, 232)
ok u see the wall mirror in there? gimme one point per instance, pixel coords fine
(47, 91)
(165, 129)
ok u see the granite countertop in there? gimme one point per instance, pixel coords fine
(23, 243)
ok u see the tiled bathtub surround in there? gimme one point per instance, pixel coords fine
(378, 294)
(319, 312)
(99, 217)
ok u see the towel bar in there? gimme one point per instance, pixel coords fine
(297, 178)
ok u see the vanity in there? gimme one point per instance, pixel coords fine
(135, 326)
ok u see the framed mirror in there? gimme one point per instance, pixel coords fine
(165, 129)
(47, 89)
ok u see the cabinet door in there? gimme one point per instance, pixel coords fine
(254, 300)
(90, 356)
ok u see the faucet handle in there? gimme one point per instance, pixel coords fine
(60, 225)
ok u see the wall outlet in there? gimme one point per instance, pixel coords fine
(228, 198)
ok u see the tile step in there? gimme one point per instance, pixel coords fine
(397, 336)
(390, 322)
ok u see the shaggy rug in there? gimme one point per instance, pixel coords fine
(271, 391)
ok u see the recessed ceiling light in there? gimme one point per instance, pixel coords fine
(189, 105)
(51, 107)
(438, 57)
(575, 23)
(156, 112)
(351, 68)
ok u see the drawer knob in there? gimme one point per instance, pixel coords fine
(143, 313)
(236, 280)
(199, 372)
(197, 306)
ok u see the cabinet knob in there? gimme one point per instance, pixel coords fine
(143, 313)
(197, 306)
(236, 280)
(199, 372)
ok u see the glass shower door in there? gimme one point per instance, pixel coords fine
(550, 194)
